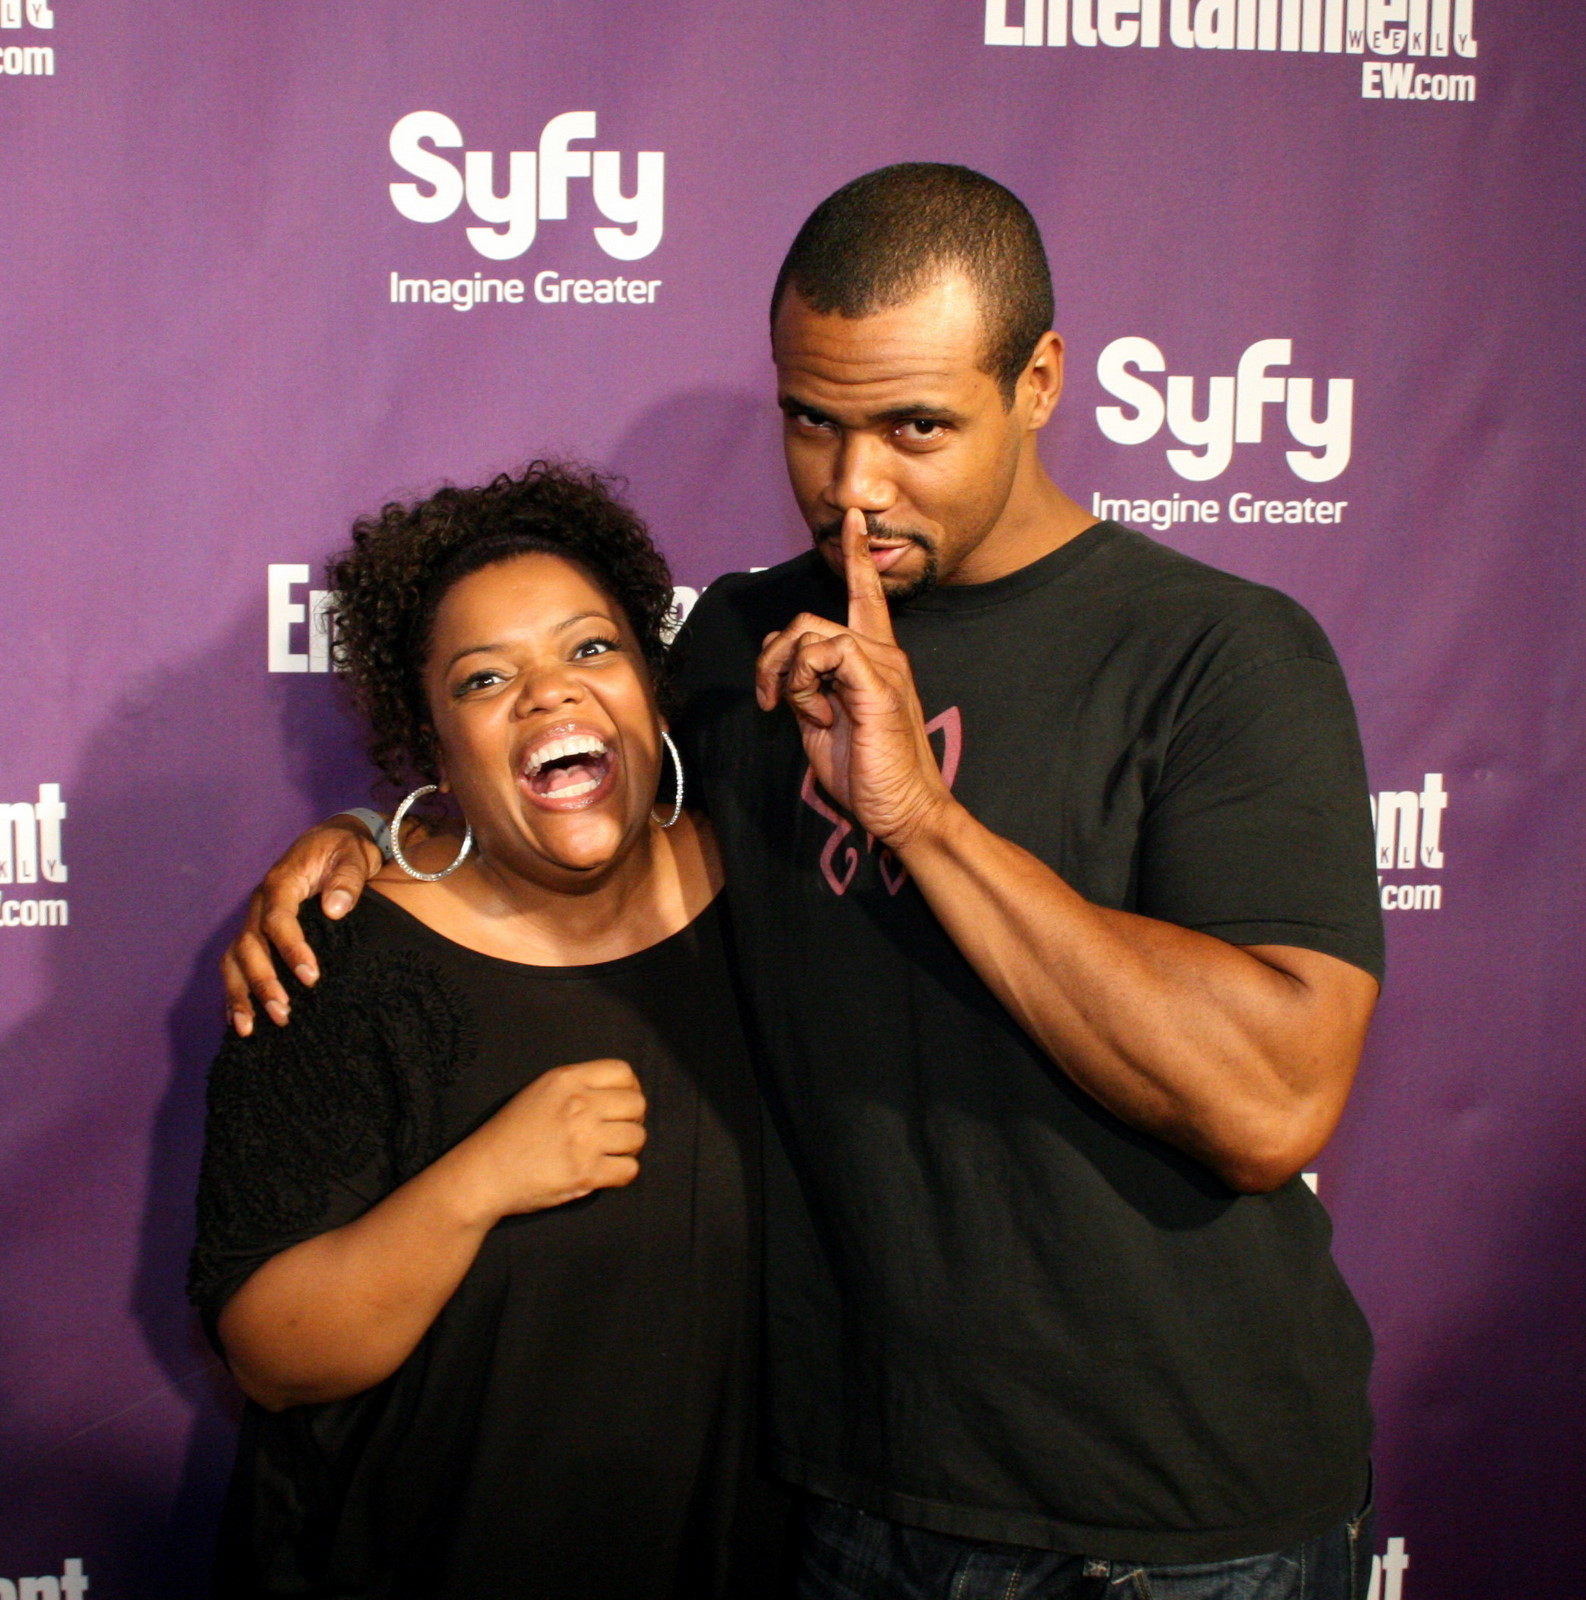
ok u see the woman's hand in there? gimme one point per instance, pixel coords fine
(573, 1130)
(340, 1312)
(334, 860)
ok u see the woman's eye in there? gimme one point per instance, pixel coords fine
(477, 680)
(595, 647)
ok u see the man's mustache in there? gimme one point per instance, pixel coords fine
(875, 528)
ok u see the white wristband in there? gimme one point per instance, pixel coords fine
(379, 827)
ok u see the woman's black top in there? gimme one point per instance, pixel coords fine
(578, 1419)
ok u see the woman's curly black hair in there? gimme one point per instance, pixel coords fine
(388, 585)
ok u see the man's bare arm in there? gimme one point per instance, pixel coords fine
(1242, 1058)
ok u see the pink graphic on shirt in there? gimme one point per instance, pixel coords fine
(893, 873)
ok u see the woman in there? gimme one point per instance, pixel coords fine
(475, 1232)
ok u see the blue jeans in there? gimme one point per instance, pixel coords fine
(848, 1554)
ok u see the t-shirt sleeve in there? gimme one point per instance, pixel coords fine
(309, 1125)
(1259, 829)
(712, 667)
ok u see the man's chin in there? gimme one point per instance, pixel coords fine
(900, 590)
(920, 576)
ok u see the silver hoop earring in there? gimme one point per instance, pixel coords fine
(396, 840)
(677, 764)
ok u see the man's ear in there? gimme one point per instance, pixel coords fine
(1041, 382)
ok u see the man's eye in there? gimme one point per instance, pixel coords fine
(920, 428)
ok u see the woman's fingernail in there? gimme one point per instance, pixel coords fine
(338, 903)
(242, 1022)
(305, 975)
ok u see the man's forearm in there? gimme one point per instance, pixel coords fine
(1240, 1057)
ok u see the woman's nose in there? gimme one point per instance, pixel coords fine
(546, 688)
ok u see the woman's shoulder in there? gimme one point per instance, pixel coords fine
(375, 927)
(378, 983)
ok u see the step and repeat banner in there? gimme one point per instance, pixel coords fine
(267, 264)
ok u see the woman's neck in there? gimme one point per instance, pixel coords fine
(664, 882)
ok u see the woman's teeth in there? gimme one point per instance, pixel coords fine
(571, 791)
(578, 744)
(569, 768)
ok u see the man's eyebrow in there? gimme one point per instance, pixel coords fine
(908, 411)
(791, 405)
(917, 413)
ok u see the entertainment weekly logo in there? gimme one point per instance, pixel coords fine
(72, 1584)
(1409, 825)
(1408, 29)
(299, 623)
(30, 852)
(1387, 1572)
(506, 223)
(25, 60)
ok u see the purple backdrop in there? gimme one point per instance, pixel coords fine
(1309, 254)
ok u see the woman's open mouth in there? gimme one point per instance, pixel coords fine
(569, 770)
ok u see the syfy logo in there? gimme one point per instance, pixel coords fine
(536, 185)
(1235, 410)
(1409, 835)
(71, 1585)
(1386, 27)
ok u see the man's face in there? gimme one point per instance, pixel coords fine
(894, 413)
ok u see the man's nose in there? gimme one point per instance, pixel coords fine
(860, 476)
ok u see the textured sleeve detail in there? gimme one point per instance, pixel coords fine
(309, 1125)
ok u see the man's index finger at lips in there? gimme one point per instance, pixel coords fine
(867, 600)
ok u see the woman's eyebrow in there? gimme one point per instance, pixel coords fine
(583, 616)
(473, 650)
(561, 627)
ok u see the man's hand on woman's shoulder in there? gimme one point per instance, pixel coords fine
(333, 860)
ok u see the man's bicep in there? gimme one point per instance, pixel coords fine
(1259, 829)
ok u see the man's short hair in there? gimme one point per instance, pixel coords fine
(894, 233)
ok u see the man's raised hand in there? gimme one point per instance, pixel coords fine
(853, 694)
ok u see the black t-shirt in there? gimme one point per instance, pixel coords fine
(577, 1424)
(995, 1309)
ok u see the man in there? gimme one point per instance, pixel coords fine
(1050, 868)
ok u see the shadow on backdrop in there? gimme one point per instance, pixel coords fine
(704, 468)
(181, 798)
